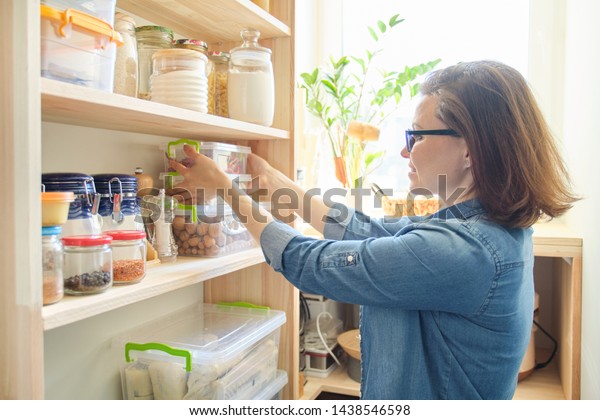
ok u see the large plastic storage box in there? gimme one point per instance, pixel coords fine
(274, 389)
(78, 48)
(229, 157)
(102, 9)
(208, 351)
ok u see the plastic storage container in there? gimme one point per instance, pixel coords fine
(119, 206)
(251, 85)
(52, 265)
(231, 158)
(102, 9)
(273, 390)
(128, 256)
(83, 216)
(126, 64)
(78, 48)
(209, 231)
(150, 39)
(179, 79)
(55, 207)
(87, 264)
(202, 352)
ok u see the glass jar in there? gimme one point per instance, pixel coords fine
(251, 85)
(201, 47)
(128, 256)
(83, 216)
(52, 265)
(218, 91)
(150, 39)
(179, 79)
(126, 64)
(119, 206)
(87, 264)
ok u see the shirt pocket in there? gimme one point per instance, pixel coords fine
(340, 259)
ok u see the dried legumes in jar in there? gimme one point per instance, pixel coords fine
(87, 264)
(129, 256)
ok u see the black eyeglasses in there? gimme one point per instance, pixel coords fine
(413, 135)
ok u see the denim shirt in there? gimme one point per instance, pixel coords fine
(446, 300)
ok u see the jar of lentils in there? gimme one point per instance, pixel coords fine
(87, 264)
(150, 39)
(129, 256)
(52, 264)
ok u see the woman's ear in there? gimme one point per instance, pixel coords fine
(467, 159)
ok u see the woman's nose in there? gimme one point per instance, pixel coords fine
(404, 153)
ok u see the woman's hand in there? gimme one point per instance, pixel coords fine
(200, 181)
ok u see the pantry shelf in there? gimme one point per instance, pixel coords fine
(208, 20)
(159, 280)
(78, 105)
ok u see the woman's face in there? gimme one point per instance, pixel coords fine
(433, 156)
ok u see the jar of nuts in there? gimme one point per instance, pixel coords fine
(129, 256)
(220, 68)
(200, 231)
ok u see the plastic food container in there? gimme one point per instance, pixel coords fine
(202, 352)
(119, 206)
(52, 265)
(274, 389)
(55, 207)
(209, 231)
(78, 48)
(230, 158)
(102, 9)
(128, 256)
(87, 264)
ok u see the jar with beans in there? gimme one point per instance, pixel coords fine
(87, 264)
(129, 256)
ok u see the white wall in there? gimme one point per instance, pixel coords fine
(582, 144)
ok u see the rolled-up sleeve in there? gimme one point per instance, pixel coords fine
(273, 241)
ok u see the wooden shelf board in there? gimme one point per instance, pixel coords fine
(337, 382)
(159, 279)
(77, 105)
(209, 20)
(554, 239)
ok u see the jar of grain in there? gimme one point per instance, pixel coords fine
(126, 64)
(150, 39)
(220, 64)
(129, 256)
(87, 264)
(52, 264)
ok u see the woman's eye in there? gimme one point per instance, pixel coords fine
(417, 137)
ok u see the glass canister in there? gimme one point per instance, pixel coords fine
(126, 64)
(179, 79)
(201, 47)
(52, 265)
(150, 39)
(83, 216)
(251, 85)
(217, 90)
(129, 256)
(87, 264)
(119, 205)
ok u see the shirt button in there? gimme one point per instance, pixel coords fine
(350, 258)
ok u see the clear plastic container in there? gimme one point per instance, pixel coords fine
(179, 79)
(128, 256)
(201, 352)
(78, 48)
(103, 9)
(52, 264)
(55, 207)
(217, 84)
(251, 85)
(231, 158)
(87, 264)
(209, 231)
(150, 39)
(126, 64)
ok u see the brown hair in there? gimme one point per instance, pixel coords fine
(518, 172)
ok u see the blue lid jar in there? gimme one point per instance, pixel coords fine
(82, 185)
(119, 206)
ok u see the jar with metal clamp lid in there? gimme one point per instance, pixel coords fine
(119, 206)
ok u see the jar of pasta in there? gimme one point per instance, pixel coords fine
(220, 65)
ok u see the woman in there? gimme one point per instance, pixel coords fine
(446, 300)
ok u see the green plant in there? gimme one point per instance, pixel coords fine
(340, 92)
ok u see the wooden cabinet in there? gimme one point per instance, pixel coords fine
(27, 100)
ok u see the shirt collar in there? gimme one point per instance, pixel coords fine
(463, 210)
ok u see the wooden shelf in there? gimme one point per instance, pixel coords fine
(553, 239)
(209, 20)
(160, 279)
(77, 105)
(337, 382)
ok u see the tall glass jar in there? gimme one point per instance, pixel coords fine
(87, 264)
(251, 85)
(217, 84)
(150, 39)
(201, 47)
(179, 79)
(126, 64)
(52, 265)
